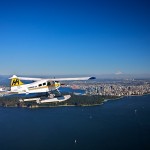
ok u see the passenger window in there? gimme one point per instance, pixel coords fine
(44, 84)
(40, 84)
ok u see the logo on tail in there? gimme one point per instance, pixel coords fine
(15, 81)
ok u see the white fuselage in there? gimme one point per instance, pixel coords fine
(36, 87)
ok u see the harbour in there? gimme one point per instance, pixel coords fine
(121, 124)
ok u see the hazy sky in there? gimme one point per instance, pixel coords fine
(74, 37)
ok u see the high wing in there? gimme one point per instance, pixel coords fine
(54, 79)
(26, 78)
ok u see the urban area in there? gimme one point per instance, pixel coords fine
(126, 87)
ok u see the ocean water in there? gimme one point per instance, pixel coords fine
(119, 124)
(70, 90)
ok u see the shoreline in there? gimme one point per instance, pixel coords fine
(80, 105)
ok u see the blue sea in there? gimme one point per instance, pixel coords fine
(70, 90)
(122, 124)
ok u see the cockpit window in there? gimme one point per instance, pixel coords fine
(48, 83)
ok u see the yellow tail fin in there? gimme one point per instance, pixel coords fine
(15, 81)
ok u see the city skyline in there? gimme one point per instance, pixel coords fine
(75, 37)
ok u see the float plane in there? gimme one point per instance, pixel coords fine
(40, 90)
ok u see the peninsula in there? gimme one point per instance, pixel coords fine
(75, 100)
